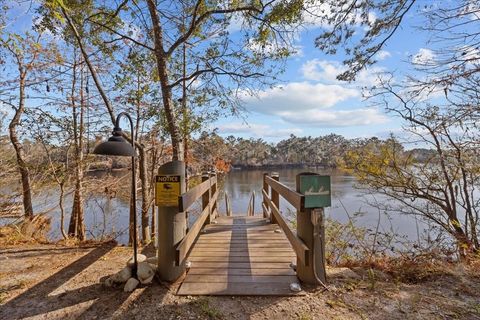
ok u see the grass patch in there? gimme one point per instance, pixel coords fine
(207, 309)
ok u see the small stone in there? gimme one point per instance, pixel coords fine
(122, 275)
(295, 287)
(277, 231)
(108, 282)
(147, 280)
(131, 284)
(188, 264)
(144, 272)
(140, 258)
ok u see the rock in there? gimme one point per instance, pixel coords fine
(140, 258)
(148, 280)
(152, 260)
(131, 284)
(153, 266)
(122, 275)
(108, 282)
(145, 272)
(295, 287)
(188, 264)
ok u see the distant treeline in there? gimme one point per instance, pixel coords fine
(325, 151)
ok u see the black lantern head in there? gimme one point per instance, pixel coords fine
(115, 146)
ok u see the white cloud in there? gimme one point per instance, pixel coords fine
(336, 118)
(424, 56)
(298, 96)
(296, 50)
(327, 71)
(383, 54)
(321, 70)
(307, 104)
(257, 130)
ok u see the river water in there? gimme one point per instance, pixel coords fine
(348, 200)
(106, 216)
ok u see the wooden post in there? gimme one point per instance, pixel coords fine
(226, 204)
(265, 187)
(213, 207)
(253, 203)
(206, 196)
(275, 196)
(172, 226)
(311, 231)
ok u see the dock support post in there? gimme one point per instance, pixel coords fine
(267, 191)
(311, 229)
(206, 197)
(172, 226)
(213, 189)
(275, 196)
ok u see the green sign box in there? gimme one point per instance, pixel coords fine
(317, 190)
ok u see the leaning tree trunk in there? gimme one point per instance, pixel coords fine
(102, 93)
(161, 58)
(77, 226)
(19, 152)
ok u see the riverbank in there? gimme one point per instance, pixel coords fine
(63, 282)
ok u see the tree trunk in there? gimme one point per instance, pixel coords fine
(19, 152)
(76, 227)
(161, 58)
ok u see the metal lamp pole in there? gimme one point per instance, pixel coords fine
(134, 188)
(118, 146)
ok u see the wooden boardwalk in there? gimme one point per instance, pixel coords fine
(240, 255)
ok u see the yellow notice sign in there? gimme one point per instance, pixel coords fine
(167, 190)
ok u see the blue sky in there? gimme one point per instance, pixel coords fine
(311, 102)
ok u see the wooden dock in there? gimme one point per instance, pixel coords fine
(240, 255)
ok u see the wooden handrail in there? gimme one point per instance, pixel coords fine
(185, 245)
(266, 211)
(294, 198)
(192, 195)
(298, 245)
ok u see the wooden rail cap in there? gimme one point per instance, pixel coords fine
(294, 198)
(192, 195)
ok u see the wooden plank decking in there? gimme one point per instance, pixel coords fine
(240, 255)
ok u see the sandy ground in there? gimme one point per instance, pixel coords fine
(59, 282)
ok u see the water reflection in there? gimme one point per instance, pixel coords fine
(107, 215)
(346, 200)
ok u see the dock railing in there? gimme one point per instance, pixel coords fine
(310, 259)
(207, 190)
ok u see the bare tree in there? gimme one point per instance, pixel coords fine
(27, 55)
(440, 188)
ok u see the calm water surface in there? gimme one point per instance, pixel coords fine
(109, 216)
(239, 185)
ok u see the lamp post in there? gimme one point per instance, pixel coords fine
(118, 146)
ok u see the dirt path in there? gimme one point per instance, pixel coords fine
(58, 282)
